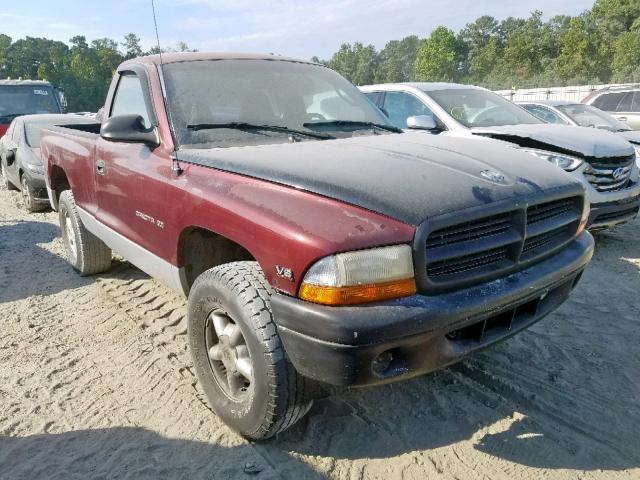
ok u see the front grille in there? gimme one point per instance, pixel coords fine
(467, 262)
(473, 230)
(609, 174)
(478, 249)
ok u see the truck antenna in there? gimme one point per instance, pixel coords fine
(177, 169)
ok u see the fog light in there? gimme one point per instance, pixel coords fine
(382, 363)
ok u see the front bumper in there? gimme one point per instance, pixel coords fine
(607, 214)
(342, 345)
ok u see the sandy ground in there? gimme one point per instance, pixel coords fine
(96, 382)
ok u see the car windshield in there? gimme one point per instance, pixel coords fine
(473, 107)
(588, 116)
(27, 99)
(216, 103)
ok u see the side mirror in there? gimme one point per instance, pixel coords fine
(130, 129)
(421, 122)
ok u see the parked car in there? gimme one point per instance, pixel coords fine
(604, 162)
(20, 162)
(565, 112)
(623, 102)
(26, 97)
(317, 243)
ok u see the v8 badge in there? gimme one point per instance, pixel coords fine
(284, 272)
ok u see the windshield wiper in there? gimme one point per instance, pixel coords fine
(353, 123)
(251, 126)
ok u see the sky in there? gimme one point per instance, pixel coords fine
(301, 28)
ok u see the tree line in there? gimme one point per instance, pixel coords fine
(83, 70)
(601, 45)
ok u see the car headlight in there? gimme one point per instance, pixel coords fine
(566, 162)
(361, 276)
(35, 168)
(637, 148)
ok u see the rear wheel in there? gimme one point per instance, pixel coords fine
(5, 180)
(239, 359)
(28, 197)
(85, 252)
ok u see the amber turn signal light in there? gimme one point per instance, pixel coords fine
(357, 294)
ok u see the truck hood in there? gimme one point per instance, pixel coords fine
(410, 177)
(579, 141)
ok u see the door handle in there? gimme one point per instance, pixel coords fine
(622, 119)
(100, 167)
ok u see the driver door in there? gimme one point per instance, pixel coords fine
(121, 169)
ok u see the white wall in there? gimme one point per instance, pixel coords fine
(575, 93)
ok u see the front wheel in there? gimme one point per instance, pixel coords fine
(85, 252)
(29, 201)
(238, 356)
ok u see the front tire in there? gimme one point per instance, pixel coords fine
(239, 359)
(85, 252)
(28, 197)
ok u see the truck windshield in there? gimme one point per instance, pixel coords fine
(588, 116)
(16, 100)
(473, 107)
(277, 93)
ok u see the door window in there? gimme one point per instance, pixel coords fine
(129, 98)
(635, 104)
(545, 114)
(608, 101)
(401, 105)
(375, 97)
(625, 103)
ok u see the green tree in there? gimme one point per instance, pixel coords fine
(131, 44)
(580, 56)
(438, 57)
(626, 57)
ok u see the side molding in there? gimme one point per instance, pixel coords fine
(146, 261)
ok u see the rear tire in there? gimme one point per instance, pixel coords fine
(5, 180)
(85, 252)
(239, 359)
(28, 197)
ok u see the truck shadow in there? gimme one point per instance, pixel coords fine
(564, 394)
(26, 269)
(126, 453)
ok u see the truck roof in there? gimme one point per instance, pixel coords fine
(9, 81)
(176, 57)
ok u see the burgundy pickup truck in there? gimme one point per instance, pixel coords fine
(317, 244)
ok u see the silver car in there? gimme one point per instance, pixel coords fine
(566, 112)
(604, 162)
(20, 163)
(623, 102)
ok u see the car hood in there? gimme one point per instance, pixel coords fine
(580, 141)
(410, 177)
(632, 136)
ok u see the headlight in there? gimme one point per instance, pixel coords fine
(566, 162)
(637, 147)
(360, 277)
(35, 168)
